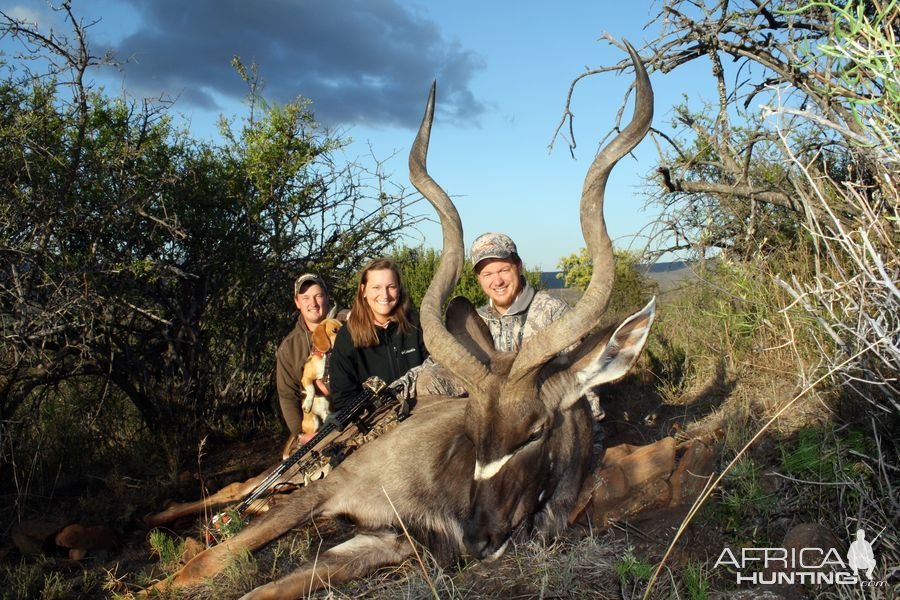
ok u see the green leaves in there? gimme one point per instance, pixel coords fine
(631, 288)
(160, 263)
(417, 268)
(576, 269)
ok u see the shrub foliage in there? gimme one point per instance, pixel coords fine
(154, 264)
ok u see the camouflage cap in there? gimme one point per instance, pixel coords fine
(306, 278)
(493, 245)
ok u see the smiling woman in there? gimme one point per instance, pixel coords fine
(382, 336)
(382, 292)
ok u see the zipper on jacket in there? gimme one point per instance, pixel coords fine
(390, 339)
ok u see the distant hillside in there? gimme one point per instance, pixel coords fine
(550, 281)
(666, 274)
(670, 275)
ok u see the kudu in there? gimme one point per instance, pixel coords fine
(463, 475)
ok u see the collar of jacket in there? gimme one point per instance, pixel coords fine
(388, 328)
(522, 301)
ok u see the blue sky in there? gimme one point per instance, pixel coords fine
(503, 71)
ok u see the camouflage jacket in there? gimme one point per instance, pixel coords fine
(529, 313)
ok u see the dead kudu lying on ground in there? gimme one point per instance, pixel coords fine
(463, 475)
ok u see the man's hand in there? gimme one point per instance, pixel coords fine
(400, 390)
(331, 419)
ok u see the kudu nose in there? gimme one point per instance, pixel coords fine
(477, 548)
(486, 548)
(484, 543)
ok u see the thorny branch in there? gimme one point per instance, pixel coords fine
(754, 53)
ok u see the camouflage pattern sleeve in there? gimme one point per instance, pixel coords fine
(544, 310)
(404, 388)
(437, 380)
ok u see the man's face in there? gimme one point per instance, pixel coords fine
(501, 280)
(312, 303)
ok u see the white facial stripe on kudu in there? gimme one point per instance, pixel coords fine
(487, 471)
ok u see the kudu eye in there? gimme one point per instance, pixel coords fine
(535, 435)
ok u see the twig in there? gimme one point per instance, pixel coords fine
(808, 482)
(413, 545)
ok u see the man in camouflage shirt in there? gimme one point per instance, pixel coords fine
(514, 312)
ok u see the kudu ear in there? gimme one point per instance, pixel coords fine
(469, 329)
(621, 351)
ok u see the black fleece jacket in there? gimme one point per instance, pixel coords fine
(395, 354)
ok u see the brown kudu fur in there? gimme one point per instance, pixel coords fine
(463, 475)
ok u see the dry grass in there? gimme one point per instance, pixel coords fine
(580, 566)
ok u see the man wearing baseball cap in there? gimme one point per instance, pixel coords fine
(515, 311)
(314, 306)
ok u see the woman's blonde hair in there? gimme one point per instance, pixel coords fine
(361, 324)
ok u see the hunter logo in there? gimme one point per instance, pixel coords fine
(860, 556)
(804, 566)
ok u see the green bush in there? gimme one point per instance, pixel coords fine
(631, 288)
